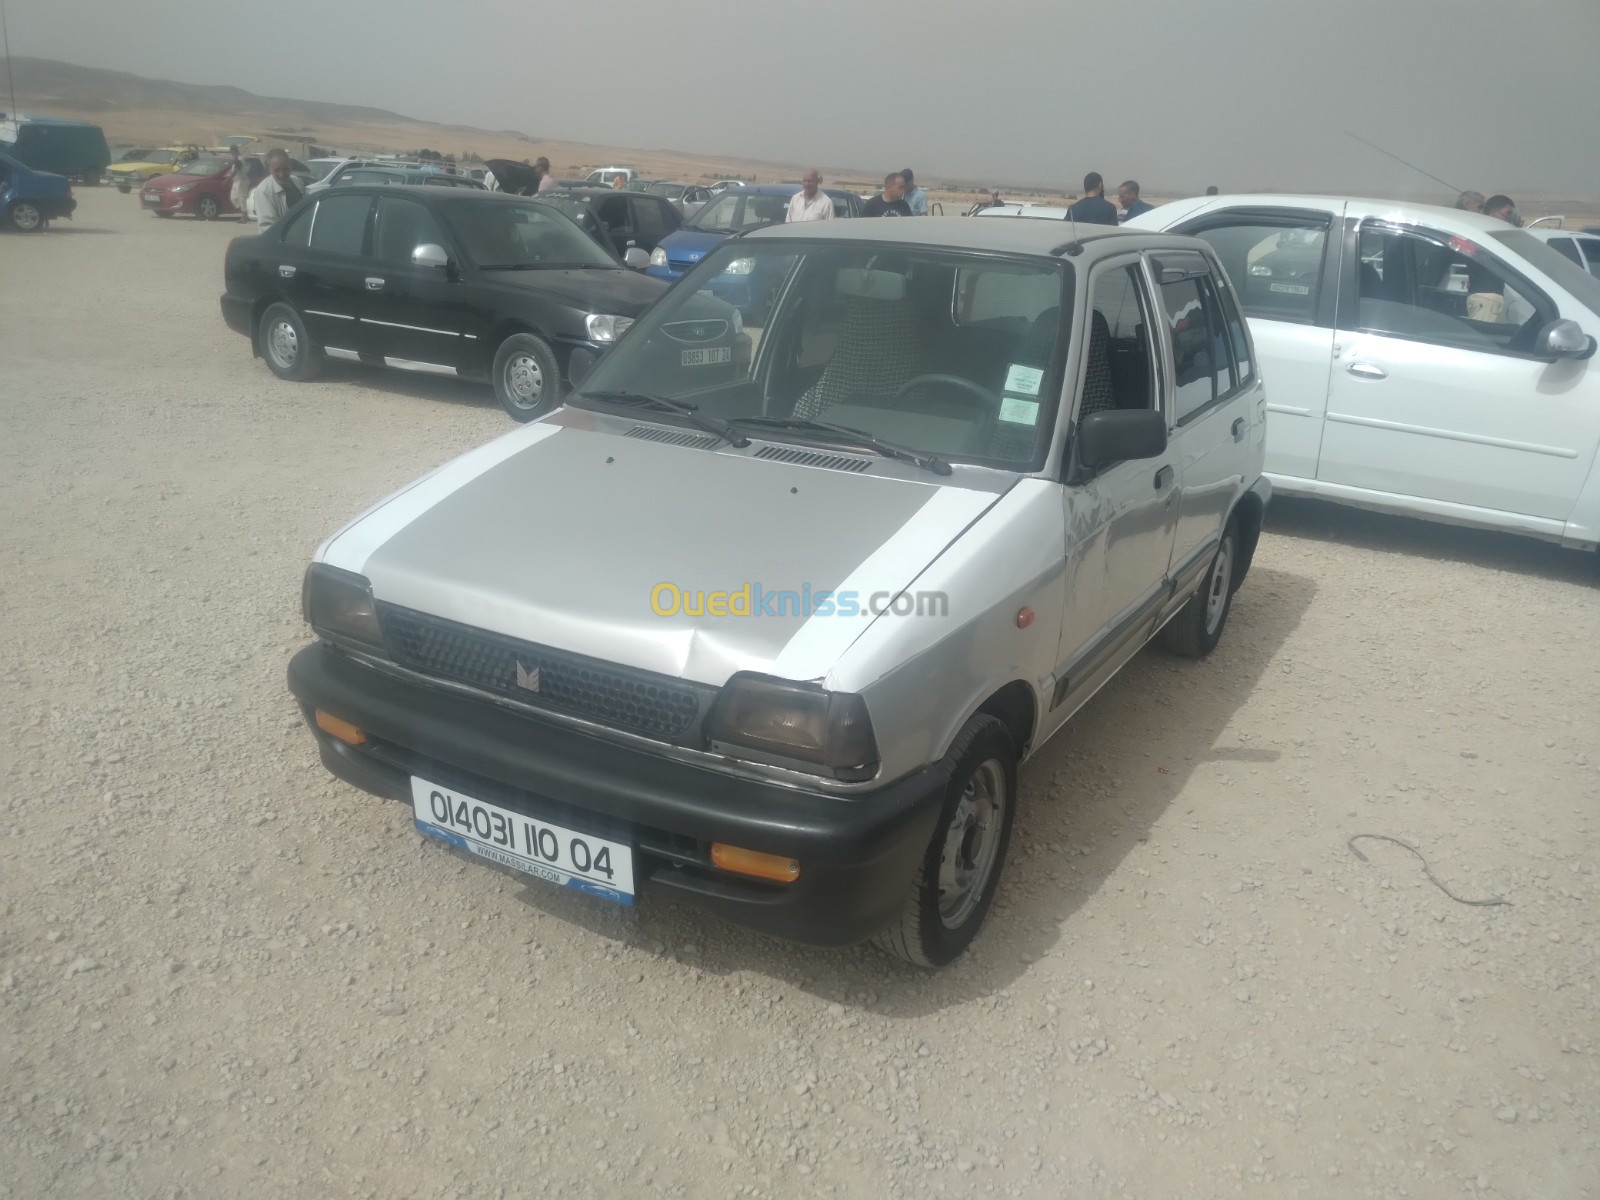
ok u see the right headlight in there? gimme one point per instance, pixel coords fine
(658, 257)
(338, 606)
(794, 724)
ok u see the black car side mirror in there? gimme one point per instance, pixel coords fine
(1118, 435)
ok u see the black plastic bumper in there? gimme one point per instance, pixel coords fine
(236, 312)
(857, 855)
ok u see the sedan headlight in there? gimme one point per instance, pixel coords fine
(338, 606)
(794, 724)
(605, 328)
(181, 189)
(740, 266)
(1260, 269)
(658, 257)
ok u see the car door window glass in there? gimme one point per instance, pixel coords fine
(297, 232)
(649, 222)
(402, 226)
(1199, 350)
(614, 216)
(1451, 293)
(1567, 248)
(1237, 338)
(1276, 267)
(1591, 252)
(341, 224)
(1119, 367)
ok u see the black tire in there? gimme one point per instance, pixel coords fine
(207, 208)
(286, 345)
(527, 379)
(26, 217)
(941, 917)
(91, 179)
(1196, 630)
(124, 186)
(162, 212)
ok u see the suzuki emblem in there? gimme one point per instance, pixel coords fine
(526, 679)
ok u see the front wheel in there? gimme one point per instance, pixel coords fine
(25, 216)
(527, 381)
(207, 208)
(124, 186)
(955, 885)
(1196, 630)
(286, 346)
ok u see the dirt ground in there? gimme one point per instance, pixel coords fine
(223, 973)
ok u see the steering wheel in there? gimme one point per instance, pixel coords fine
(961, 382)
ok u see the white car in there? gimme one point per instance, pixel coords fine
(1581, 247)
(604, 175)
(1049, 211)
(1418, 360)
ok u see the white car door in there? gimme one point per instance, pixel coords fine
(1283, 264)
(1435, 395)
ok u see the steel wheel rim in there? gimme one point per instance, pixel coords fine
(524, 380)
(283, 343)
(26, 216)
(971, 846)
(208, 208)
(1217, 585)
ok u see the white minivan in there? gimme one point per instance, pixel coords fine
(1418, 360)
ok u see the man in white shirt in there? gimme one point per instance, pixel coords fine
(547, 181)
(810, 203)
(276, 194)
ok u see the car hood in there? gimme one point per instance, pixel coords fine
(623, 292)
(563, 533)
(174, 180)
(691, 245)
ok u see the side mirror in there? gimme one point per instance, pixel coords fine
(1119, 435)
(430, 255)
(1563, 339)
(635, 258)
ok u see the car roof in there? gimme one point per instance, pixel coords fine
(1018, 236)
(434, 195)
(1408, 211)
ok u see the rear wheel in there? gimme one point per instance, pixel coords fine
(25, 216)
(286, 346)
(1196, 630)
(124, 186)
(207, 208)
(527, 380)
(91, 179)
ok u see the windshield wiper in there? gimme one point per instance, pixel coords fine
(710, 424)
(847, 433)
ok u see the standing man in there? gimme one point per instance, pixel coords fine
(1094, 208)
(1470, 202)
(916, 198)
(239, 183)
(891, 201)
(1128, 195)
(547, 181)
(1502, 208)
(1212, 190)
(277, 193)
(810, 203)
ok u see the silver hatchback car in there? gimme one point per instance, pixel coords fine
(767, 623)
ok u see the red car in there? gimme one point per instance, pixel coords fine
(202, 188)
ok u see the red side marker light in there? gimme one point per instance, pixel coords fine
(1024, 618)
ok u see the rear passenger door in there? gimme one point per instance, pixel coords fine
(323, 269)
(1214, 404)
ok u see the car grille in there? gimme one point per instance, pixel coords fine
(656, 706)
(695, 331)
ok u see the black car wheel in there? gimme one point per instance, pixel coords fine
(25, 216)
(207, 208)
(527, 380)
(286, 346)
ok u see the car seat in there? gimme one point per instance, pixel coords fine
(878, 346)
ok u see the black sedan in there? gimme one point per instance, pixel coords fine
(466, 283)
(618, 220)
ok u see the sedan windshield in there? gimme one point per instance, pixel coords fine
(739, 212)
(205, 166)
(506, 236)
(874, 348)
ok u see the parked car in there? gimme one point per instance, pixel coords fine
(1420, 360)
(357, 170)
(969, 473)
(687, 198)
(56, 145)
(128, 175)
(619, 221)
(320, 167)
(1581, 246)
(29, 199)
(722, 185)
(604, 175)
(737, 211)
(1050, 212)
(453, 281)
(135, 154)
(202, 189)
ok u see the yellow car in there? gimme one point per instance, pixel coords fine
(128, 175)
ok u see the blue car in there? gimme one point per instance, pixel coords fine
(737, 210)
(29, 199)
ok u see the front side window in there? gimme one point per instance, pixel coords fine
(402, 226)
(654, 219)
(937, 352)
(1119, 366)
(340, 225)
(520, 237)
(1276, 267)
(205, 166)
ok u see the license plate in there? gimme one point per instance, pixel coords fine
(535, 847)
(700, 358)
(1293, 289)
(152, 196)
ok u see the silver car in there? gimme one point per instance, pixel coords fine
(767, 624)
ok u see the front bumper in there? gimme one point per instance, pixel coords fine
(158, 201)
(857, 854)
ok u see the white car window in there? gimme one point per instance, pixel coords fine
(1277, 268)
(1120, 369)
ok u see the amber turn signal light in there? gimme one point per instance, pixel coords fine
(752, 862)
(343, 730)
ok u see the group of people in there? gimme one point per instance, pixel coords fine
(1501, 208)
(901, 197)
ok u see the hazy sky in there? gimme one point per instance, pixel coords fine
(1241, 93)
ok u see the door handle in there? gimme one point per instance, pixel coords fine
(1238, 429)
(1367, 371)
(1163, 478)
(286, 271)
(374, 284)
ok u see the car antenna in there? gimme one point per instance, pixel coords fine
(1073, 248)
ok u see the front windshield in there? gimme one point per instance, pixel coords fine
(320, 168)
(939, 352)
(1585, 288)
(204, 166)
(739, 212)
(672, 191)
(163, 156)
(521, 236)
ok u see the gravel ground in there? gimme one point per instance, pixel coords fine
(224, 973)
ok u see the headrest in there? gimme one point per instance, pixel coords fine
(873, 285)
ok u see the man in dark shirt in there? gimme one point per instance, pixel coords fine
(1132, 206)
(891, 201)
(1094, 208)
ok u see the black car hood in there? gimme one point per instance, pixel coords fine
(625, 293)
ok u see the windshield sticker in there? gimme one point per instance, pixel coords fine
(1017, 411)
(1024, 380)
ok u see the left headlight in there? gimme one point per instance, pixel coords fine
(794, 724)
(740, 266)
(338, 606)
(181, 189)
(603, 327)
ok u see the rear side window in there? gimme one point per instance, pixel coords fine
(654, 218)
(402, 226)
(297, 232)
(341, 224)
(1276, 267)
(1237, 337)
(1567, 248)
(1591, 251)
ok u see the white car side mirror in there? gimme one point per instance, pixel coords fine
(1563, 339)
